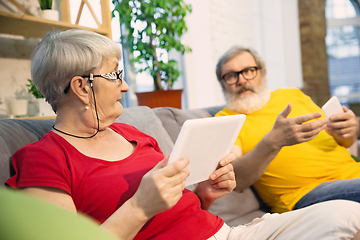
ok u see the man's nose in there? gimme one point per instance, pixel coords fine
(242, 80)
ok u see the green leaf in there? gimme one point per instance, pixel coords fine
(164, 25)
(45, 4)
(33, 90)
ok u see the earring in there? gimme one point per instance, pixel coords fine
(86, 107)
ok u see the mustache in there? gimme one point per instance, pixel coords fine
(242, 88)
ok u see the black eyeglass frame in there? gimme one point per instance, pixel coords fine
(241, 72)
(104, 75)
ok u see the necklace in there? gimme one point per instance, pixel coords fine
(71, 135)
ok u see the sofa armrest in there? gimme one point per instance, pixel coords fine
(16, 133)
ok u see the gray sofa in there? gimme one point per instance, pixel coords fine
(163, 124)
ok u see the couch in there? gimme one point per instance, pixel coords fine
(163, 124)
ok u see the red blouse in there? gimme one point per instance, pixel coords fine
(99, 187)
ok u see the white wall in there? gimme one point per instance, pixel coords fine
(269, 26)
(278, 34)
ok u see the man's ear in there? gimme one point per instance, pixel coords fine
(81, 88)
(264, 71)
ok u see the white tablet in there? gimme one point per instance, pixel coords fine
(332, 106)
(205, 141)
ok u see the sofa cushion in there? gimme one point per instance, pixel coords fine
(145, 120)
(172, 118)
(235, 204)
(214, 110)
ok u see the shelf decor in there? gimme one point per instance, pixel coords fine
(47, 10)
(18, 107)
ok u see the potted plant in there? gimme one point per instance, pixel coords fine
(33, 90)
(162, 25)
(18, 107)
(46, 10)
(45, 108)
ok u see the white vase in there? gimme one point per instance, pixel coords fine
(50, 14)
(45, 108)
(18, 107)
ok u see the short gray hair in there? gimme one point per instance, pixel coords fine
(62, 55)
(233, 52)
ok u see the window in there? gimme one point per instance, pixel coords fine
(343, 49)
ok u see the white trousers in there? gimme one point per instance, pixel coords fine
(336, 219)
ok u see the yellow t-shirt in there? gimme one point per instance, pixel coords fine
(296, 169)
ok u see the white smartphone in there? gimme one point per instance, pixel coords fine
(331, 107)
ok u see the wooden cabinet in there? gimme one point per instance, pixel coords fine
(31, 26)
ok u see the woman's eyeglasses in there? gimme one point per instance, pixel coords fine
(112, 77)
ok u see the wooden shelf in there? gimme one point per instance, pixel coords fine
(30, 26)
(38, 117)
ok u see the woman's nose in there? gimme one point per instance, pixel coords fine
(124, 86)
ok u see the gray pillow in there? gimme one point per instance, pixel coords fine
(172, 118)
(233, 205)
(145, 120)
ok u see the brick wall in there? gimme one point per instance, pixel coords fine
(312, 23)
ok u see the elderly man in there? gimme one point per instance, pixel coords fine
(287, 149)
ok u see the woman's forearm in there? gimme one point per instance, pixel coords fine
(126, 221)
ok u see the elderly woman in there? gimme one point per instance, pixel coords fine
(118, 175)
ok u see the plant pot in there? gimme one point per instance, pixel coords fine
(50, 14)
(18, 107)
(45, 108)
(168, 98)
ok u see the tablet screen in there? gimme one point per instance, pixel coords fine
(205, 141)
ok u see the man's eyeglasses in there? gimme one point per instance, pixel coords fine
(115, 77)
(247, 73)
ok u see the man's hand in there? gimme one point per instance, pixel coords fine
(344, 127)
(290, 131)
(221, 182)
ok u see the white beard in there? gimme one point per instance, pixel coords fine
(250, 101)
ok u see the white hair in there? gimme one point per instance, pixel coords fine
(62, 55)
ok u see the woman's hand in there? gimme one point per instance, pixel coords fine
(220, 182)
(344, 127)
(161, 188)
